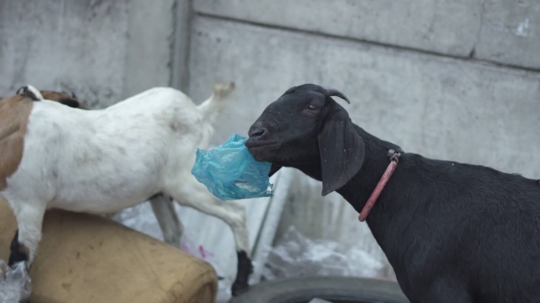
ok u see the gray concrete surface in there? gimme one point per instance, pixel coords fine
(510, 33)
(448, 27)
(180, 63)
(76, 46)
(503, 31)
(150, 45)
(101, 50)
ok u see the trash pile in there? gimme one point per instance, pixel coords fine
(15, 285)
(295, 255)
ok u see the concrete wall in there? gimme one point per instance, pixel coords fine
(441, 107)
(101, 50)
(503, 31)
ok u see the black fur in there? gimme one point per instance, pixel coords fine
(245, 268)
(341, 151)
(16, 255)
(453, 232)
(70, 102)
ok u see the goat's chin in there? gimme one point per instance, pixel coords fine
(259, 154)
(264, 153)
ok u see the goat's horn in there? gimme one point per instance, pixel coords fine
(334, 92)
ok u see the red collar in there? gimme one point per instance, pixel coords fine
(394, 159)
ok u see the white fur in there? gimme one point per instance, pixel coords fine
(103, 161)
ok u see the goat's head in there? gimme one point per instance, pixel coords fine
(61, 97)
(306, 129)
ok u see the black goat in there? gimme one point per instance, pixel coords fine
(453, 232)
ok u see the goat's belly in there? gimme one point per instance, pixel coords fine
(99, 201)
(95, 206)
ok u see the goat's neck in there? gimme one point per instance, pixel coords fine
(391, 216)
(387, 213)
(358, 190)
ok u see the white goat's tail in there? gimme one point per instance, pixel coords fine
(211, 107)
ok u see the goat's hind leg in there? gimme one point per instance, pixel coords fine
(168, 220)
(194, 194)
(16, 256)
(26, 240)
(16, 253)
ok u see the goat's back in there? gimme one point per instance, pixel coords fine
(110, 159)
(470, 223)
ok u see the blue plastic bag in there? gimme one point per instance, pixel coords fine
(230, 172)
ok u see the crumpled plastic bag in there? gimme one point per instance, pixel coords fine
(230, 172)
(16, 286)
(295, 255)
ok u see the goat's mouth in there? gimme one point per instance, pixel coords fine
(262, 150)
(252, 143)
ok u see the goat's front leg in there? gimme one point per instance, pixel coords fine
(168, 220)
(194, 194)
(234, 215)
(27, 237)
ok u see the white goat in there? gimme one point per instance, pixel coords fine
(103, 161)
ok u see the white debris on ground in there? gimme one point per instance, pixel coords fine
(295, 255)
(15, 285)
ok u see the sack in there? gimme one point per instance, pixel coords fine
(230, 172)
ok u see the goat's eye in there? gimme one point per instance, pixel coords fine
(311, 107)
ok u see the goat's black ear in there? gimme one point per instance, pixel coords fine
(341, 149)
(274, 169)
(69, 102)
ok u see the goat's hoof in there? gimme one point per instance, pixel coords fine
(239, 288)
(18, 253)
(17, 257)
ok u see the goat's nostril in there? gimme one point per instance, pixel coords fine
(258, 132)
